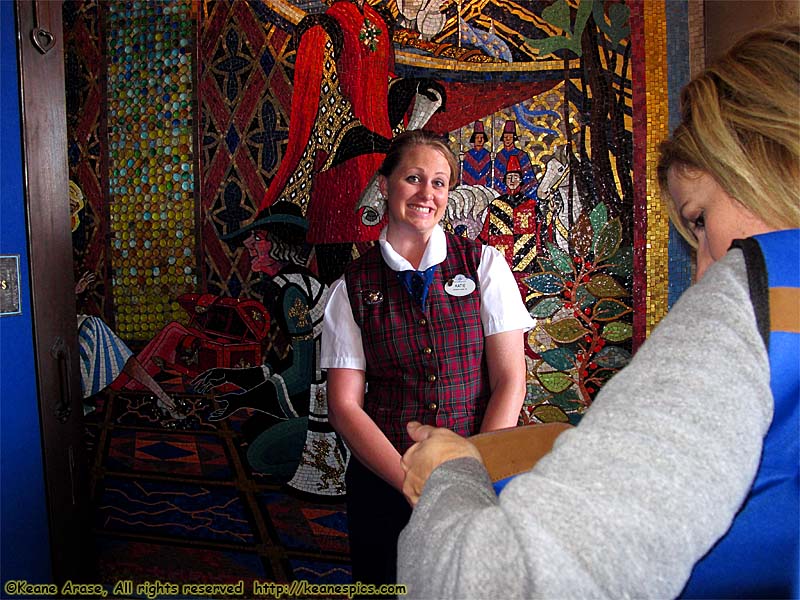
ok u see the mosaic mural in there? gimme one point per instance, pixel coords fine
(536, 99)
(84, 70)
(151, 183)
(132, 158)
(209, 116)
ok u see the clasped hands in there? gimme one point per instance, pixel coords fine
(434, 445)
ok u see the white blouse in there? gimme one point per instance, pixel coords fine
(502, 308)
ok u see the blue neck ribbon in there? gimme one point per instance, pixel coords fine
(417, 284)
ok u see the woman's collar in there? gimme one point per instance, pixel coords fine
(435, 252)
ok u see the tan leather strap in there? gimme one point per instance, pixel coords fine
(512, 451)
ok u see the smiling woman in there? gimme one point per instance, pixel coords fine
(416, 189)
(425, 326)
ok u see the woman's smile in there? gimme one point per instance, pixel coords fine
(417, 190)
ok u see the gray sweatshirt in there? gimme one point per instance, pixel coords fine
(629, 500)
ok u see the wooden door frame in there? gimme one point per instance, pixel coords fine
(52, 285)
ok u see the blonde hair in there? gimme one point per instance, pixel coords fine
(403, 142)
(741, 125)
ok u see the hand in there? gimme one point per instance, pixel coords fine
(434, 445)
(84, 282)
(246, 378)
(554, 203)
(262, 398)
(227, 407)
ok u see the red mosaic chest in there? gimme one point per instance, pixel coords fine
(223, 332)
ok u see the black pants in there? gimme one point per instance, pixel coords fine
(376, 514)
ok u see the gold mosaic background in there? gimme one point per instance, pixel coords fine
(655, 36)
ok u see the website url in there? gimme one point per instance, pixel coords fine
(301, 587)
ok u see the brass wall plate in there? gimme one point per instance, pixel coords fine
(9, 285)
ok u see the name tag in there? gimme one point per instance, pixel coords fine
(460, 285)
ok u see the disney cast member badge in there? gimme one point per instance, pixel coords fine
(460, 285)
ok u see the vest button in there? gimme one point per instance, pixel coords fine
(423, 322)
(433, 406)
(427, 350)
(432, 377)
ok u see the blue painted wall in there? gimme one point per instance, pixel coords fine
(25, 549)
(680, 256)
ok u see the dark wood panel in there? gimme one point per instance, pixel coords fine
(52, 284)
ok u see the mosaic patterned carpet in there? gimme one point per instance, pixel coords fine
(181, 504)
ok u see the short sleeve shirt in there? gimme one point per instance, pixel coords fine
(502, 308)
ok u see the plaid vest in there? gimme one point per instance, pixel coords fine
(425, 366)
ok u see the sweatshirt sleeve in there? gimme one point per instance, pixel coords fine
(629, 500)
